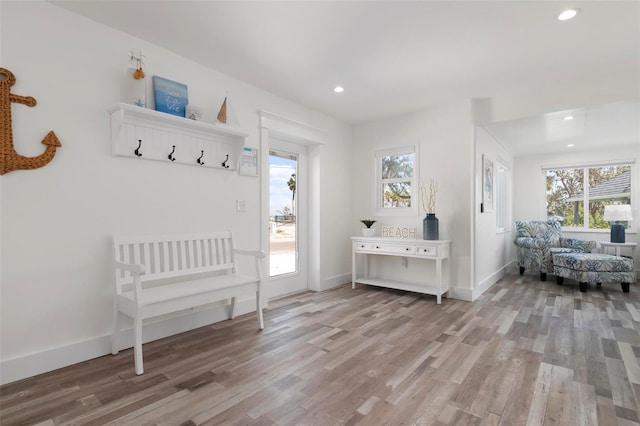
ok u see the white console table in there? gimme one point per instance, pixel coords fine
(430, 250)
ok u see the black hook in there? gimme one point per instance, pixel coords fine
(137, 151)
(224, 163)
(199, 160)
(171, 157)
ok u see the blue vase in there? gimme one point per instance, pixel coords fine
(430, 227)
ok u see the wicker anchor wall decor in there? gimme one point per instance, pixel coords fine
(10, 160)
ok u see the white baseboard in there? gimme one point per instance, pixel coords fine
(32, 364)
(335, 281)
(465, 294)
(472, 294)
(485, 284)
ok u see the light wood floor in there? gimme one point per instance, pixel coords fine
(526, 352)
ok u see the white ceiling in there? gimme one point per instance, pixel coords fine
(611, 125)
(393, 57)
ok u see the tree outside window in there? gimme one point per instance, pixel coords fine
(396, 184)
(570, 190)
(397, 176)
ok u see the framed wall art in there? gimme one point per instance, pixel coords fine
(487, 184)
(170, 96)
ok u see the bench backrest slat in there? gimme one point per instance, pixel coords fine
(182, 258)
(156, 255)
(174, 255)
(207, 252)
(147, 255)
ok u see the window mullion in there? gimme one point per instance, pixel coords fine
(585, 205)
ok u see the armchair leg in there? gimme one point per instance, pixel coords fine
(521, 270)
(625, 287)
(583, 287)
(560, 280)
(543, 276)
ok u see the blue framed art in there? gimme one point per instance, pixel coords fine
(171, 96)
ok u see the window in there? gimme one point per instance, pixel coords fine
(576, 196)
(396, 188)
(502, 195)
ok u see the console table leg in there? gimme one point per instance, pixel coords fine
(353, 270)
(366, 265)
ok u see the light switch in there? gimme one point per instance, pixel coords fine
(241, 206)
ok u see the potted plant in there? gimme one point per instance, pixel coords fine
(368, 231)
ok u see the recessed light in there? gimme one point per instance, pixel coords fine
(338, 89)
(568, 14)
(567, 117)
(570, 145)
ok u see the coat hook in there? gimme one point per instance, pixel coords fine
(171, 157)
(224, 163)
(199, 160)
(137, 151)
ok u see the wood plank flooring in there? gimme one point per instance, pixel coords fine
(526, 352)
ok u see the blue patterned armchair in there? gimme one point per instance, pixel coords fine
(537, 240)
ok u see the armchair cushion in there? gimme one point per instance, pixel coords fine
(580, 245)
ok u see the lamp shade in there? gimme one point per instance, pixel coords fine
(617, 212)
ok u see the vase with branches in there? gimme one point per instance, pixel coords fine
(430, 223)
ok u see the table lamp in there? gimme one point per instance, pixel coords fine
(617, 213)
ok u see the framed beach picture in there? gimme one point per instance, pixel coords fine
(171, 96)
(487, 185)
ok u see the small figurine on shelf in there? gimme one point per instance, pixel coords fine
(136, 79)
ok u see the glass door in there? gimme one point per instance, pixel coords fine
(283, 251)
(287, 218)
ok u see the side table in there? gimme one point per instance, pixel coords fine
(618, 246)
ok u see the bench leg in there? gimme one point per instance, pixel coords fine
(521, 270)
(583, 287)
(137, 348)
(625, 287)
(233, 307)
(543, 276)
(259, 311)
(116, 331)
(559, 280)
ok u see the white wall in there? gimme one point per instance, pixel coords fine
(444, 136)
(57, 221)
(493, 247)
(530, 193)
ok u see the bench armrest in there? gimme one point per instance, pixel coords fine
(256, 253)
(131, 267)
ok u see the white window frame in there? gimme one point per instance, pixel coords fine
(502, 196)
(379, 209)
(585, 166)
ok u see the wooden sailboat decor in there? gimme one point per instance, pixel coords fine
(222, 115)
(10, 160)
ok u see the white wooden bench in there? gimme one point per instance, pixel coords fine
(157, 275)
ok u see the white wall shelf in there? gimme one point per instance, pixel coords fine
(157, 133)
